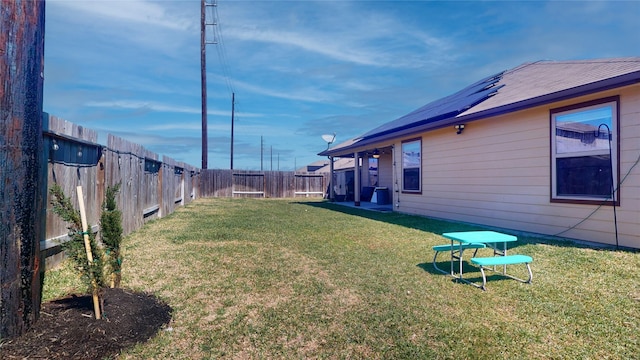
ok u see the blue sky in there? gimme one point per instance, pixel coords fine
(299, 69)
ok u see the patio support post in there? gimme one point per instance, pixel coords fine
(356, 179)
(332, 191)
(366, 178)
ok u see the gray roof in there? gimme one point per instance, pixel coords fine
(546, 78)
(339, 164)
(443, 108)
(528, 85)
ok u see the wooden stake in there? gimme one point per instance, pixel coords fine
(87, 246)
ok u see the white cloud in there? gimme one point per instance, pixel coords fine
(358, 85)
(158, 107)
(131, 11)
(309, 43)
(367, 51)
(308, 93)
(147, 105)
(192, 125)
(221, 128)
(125, 29)
(341, 31)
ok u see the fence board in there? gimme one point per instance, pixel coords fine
(216, 183)
(309, 185)
(272, 184)
(149, 188)
(69, 175)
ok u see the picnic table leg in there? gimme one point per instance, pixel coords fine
(484, 279)
(504, 253)
(452, 273)
(460, 259)
(435, 266)
(530, 273)
(495, 253)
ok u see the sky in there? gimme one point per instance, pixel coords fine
(299, 69)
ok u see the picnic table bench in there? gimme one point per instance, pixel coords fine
(502, 260)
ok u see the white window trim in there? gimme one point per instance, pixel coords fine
(402, 166)
(615, 104)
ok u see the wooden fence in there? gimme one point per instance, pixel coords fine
(150, 187)
(267, 184)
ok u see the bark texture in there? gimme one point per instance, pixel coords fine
(21, 195)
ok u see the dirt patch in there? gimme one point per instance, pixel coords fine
(67, 329)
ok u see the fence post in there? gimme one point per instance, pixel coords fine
(100, 181)
(21, 83)
(161, 191)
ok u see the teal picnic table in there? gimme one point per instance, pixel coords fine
(490, 238)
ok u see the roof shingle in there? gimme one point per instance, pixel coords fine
(525, 86)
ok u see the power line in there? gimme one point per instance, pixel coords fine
(220, 45)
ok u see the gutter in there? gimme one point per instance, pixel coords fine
(591, 88)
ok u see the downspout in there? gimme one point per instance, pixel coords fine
(332, 191)
(613, 185)
(356, 179)
(396, 186)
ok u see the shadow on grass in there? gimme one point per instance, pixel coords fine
(440, 226)
(446, 266)
(435, 226)
(471, 273)
(467, 268)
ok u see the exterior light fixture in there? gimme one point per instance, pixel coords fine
(459, 128)
(376, 154)
(55, 145)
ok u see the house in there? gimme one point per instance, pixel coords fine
(343, 178)
(313, 167)
(549, 147)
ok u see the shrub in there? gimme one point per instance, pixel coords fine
(74, 248)
(111, 233)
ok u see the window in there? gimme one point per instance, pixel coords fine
(584, 148)
(411, 161)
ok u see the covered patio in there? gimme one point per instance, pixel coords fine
(366, 205)
(371, 190)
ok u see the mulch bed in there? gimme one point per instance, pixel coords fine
(67, 328)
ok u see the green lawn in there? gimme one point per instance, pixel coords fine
(264, 279)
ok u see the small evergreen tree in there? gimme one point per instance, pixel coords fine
(74, 248)
(111, 233)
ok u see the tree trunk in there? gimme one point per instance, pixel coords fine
(21, 195)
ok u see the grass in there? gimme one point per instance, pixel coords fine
(292, 279)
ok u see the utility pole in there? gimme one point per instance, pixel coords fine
(203, 74)
(233, 104)
(261, 152)
(203, 80)
(22, 209)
